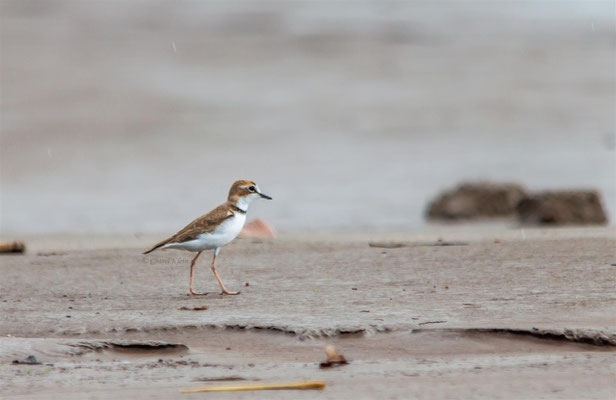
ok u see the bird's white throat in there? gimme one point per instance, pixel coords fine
(244, 202)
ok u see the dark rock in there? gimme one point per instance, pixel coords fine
(30, 360)
(477, 200)
(562, 207)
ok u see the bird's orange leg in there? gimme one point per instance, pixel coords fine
(192, 275)
(222, 285)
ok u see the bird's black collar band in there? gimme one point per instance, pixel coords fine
(236, 208)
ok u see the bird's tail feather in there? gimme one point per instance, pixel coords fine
(157, 246)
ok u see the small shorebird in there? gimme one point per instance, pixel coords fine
(215, 229)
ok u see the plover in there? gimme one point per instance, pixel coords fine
(215, 229)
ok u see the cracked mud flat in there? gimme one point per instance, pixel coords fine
(515, 319)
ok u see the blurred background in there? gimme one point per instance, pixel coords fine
(138, 116)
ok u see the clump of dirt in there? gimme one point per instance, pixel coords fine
(477, 200)
(561, 208)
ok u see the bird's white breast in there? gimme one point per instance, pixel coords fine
(222, 235)
(227, 231)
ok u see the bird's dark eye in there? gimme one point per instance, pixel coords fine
(251, 188)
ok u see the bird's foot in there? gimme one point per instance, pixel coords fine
(228, 293)
(196, 293)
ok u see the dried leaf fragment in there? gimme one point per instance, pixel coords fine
(333, 358)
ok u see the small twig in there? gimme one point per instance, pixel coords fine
(271, 386)
(200, 308)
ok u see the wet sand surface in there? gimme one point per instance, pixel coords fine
(137, 117)
(482, 319)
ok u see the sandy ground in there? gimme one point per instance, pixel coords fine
(136, 117)
(509, 319)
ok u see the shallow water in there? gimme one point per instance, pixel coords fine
(128, 118)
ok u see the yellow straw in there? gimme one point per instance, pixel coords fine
(272, 386)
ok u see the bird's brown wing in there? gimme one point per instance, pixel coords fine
(204, 224)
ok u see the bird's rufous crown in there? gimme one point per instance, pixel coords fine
(240, 188)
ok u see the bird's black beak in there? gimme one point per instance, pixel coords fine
(264, 196)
